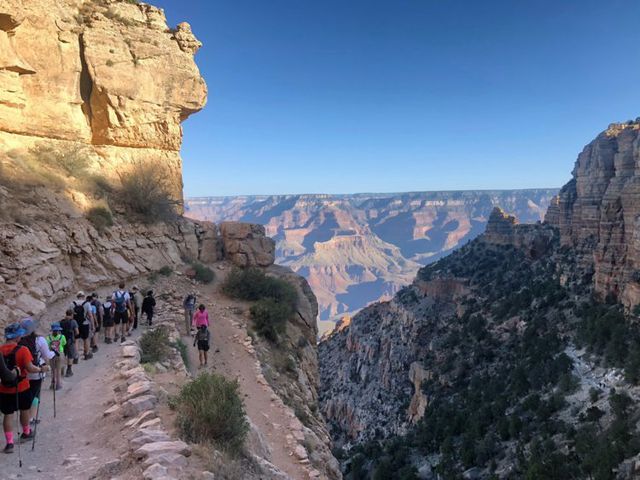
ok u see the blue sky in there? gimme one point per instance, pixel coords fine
(342, 96)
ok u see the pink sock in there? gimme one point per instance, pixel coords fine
(9, 436)
(26, 429)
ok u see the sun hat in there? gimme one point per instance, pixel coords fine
(29, 325)
(13, 331)
(80, 294)
(55, 327)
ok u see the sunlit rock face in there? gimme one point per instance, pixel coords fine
(109, 74)
(598, 211)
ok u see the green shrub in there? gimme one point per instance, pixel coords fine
(270, 317)
(146, 192)
(184, 351)
(74, 160)
(210, 409)
(252, 284)
(166, 271)
(155, 345)
(100, 218)
(203, 274)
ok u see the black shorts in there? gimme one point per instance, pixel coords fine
(107, 321)
(8, 402)
(84, 331)
(120, 317)
(203, 345)
(34, 388)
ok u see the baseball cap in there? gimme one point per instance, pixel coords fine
(55, 327)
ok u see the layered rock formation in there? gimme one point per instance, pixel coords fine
(597, 212)
(107, 74)
(356, 249)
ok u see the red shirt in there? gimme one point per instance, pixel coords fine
(23, 358)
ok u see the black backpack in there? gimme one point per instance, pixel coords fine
(67, 330)
(78, 313)
(9, 373)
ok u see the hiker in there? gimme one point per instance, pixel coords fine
(70, 331)
(83, 315)
(189, 305)
(15, 395)
(121, 305)
(39, 349)
(107, 320)
(202, 338)
(149, 306)
(93, 324)
(97, 304)
(201, 317)
(57, 343)
(137, 300)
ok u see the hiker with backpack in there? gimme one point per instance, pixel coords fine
(14, 388)
(149, 306)
(57, 343)
(137, 299)
(41, 354)
(189, 305)
(96, 305)
(107, 320)
(202, 338)
(93, 323)
(70, 331)
(121, 305)
(84, 316)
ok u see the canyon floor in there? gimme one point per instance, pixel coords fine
(80, 440)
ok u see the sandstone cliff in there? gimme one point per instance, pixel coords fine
(597, 212)
(107, 74)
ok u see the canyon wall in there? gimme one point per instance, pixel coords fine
(357, 249)
(108, 75)
(598, 211)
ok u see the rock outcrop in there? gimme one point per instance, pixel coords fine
(598, 211)
(108, 74)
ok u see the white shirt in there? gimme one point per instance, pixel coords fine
(45, 354)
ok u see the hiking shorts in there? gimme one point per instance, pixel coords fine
(107, 321)
(34, 388)
(203, 345)
(8, 402)
(70, 350)
(85, 330)
(120, 317)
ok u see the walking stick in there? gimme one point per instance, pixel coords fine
(35, 426)
(54, 374)
(18, 428)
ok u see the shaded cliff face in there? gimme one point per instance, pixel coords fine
(107, 74)
(357, 249)
(597, 212)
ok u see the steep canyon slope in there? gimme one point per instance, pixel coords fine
(516, 356)
(356, 249)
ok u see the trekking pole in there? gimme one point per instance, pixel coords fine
(35, 426)
(55, 385)
(18, 428)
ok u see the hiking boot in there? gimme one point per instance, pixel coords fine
(59, 387)
(69, 372)
(8, 448)
(94, 348)
(88, 355)
(107, 340)
(24, 437)
(129, 333)
(75, 361)
(122, 339)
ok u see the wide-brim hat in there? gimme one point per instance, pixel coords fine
(29, 325)
(80, 294)
(55, 327)
(14, 331)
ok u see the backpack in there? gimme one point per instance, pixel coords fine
(54, 344)
(78, 313)
(9, 373)
(106, 316)
(30, 342)
(67, 330)
(121, 305)
(190, 301)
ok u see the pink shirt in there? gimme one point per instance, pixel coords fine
(200, 318)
